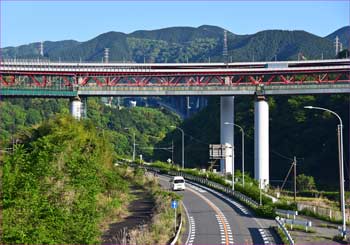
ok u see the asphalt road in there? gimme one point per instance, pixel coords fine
(212, 218)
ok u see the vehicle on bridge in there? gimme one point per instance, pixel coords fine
(177, 183)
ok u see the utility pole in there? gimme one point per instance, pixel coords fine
(260, 194)
(134, 152)
(295, 178)
(172, 151)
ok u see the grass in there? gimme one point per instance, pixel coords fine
(340, 239)
(300, 228)
(328, 226)
(318, 216)
(312, 200)
(161, 228)
(281, 235)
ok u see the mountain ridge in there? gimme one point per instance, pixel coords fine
(182, 44)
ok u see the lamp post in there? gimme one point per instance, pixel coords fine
(341, 163)
(228, 123)
(183, 145)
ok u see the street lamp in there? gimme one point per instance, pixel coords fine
(341, 163)
(183, 145)
(228, 123)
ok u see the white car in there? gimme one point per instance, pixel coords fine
(177, 183)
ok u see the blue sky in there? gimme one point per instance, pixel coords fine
(24, 22)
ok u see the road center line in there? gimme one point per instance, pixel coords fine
(216, 210)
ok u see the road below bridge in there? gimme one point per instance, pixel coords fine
(215, 219)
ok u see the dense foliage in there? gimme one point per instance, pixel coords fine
(17, 114)
(149, 125)
(305, 183)
(59, 183)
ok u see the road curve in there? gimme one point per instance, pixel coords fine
(212, 218)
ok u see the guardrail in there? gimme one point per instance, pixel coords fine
(211, 184)
(217, 186)
(177, 232)
(286, 213)
(292, 222)
(284, 230)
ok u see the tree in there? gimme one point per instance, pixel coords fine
(344, 54)
(305, 183)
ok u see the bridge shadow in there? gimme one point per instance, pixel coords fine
(234, 207)
(256, 236)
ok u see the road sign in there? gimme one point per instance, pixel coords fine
(173, 204)
(219, 151)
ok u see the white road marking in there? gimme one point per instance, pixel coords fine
(222, 232)
(239, 206)
(189, 225)
(264, 236)
(199, 189)
(192, 231)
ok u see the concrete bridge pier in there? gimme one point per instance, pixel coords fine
(75, 107)
(261, 141)
(226, 132)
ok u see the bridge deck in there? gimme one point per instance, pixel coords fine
(28, 78)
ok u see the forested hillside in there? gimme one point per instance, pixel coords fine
(185, 44)
(149, 125)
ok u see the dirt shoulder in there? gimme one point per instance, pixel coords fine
(140, 210)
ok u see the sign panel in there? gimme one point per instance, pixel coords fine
(218, 151)
(173, 204)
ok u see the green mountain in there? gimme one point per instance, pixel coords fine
(182, 44)
(343, 34)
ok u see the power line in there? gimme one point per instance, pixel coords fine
(280, 155)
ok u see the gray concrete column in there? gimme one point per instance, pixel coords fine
(261, 141)
(75, 108)
(226, 131)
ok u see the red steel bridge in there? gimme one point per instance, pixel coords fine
(37, 78)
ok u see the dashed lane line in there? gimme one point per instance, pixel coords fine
(192, 233)
(239, 206)
(190, 230)
(266, 238)
(220, 217)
